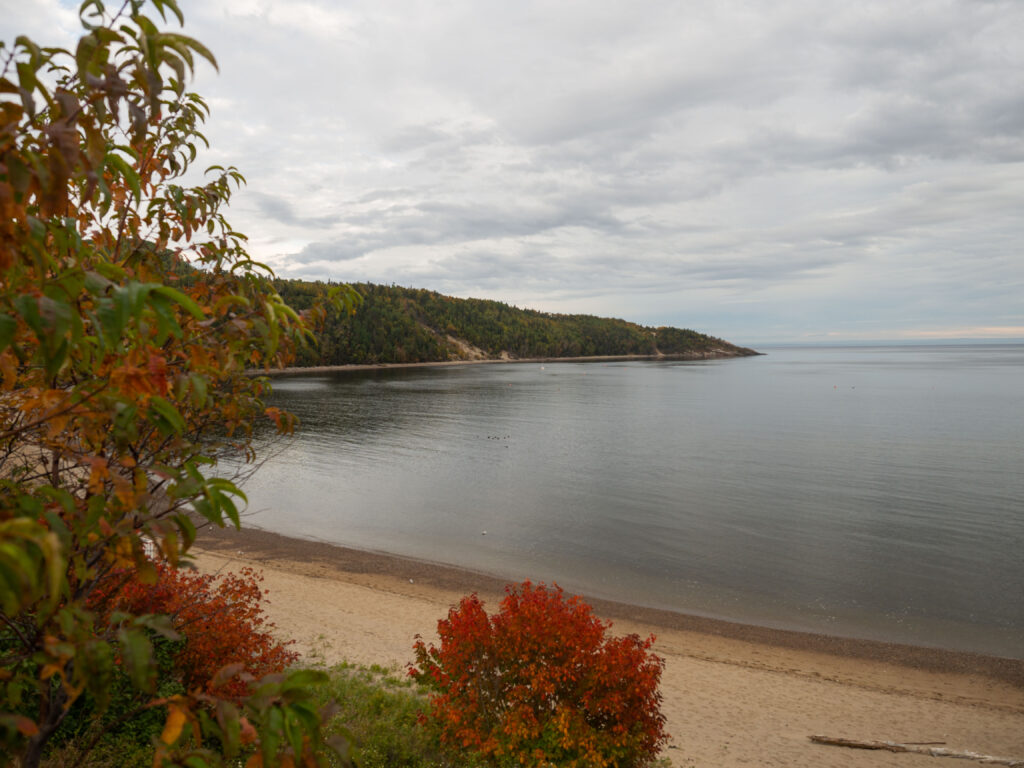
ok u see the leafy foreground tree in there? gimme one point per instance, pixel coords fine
(540, 683)
(129, 313)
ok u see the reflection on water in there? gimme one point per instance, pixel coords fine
(864, 491)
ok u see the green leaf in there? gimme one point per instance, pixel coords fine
(181, 299)
(55, 358)
(230, 726)
(127, 173)
(84, 53)
(33, 558)
(126, 427)
(218, 492)
(113, 315)
(198, 390)
(110, 271)
(161, 4)
(187, 529)
(206, 510)
(166, 416)
(305, 678)
(178, 65)
(98, 660)
(67, 501)
(307, 716)
(56, 316)
(97, 5)
(26, 76)
(159, 623)
(134, 296)
(55, 321)
(293, 733)
(18, 577)
(167, 324)
(227, 506)
(8, 327)
(137, 653)
(56, 565)
(270, 736)
(95, 283)
(28, 308)
(19, 174)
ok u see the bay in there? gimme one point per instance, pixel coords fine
(868, 492)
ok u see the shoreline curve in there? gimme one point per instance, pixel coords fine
(684, 356)
(265, 547)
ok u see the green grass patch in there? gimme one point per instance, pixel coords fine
(379, 709)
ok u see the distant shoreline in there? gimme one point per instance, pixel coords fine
(297, 370)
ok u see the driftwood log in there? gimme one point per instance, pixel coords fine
(920, 749)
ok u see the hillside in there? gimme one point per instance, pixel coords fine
(408, 325)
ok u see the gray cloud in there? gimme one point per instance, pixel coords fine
(777, 169)
(281, 210)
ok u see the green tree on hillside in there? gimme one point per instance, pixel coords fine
(129, 313)
(407, 325)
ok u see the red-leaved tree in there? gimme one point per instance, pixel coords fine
(220, 619)
(541, 683)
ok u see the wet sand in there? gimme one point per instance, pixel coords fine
(733, 694)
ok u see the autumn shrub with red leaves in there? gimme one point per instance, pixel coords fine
(542, 683)
(220, 619)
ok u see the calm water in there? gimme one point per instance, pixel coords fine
(871, 492)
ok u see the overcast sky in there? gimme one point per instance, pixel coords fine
(763, 171)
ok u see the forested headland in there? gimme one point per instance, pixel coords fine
(408, 325)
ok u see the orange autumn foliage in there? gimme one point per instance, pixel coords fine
(220, 619)
(541, 683)
(130, 311)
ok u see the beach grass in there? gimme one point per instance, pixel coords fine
(378, 712)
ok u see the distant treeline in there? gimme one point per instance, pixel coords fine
(408, 325)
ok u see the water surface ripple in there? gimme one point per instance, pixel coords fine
(863, 491)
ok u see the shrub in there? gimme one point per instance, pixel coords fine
(541, 683)
(220, 619)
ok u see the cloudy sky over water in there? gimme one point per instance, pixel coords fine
(764, 171)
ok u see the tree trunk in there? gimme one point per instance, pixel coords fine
(52, 716)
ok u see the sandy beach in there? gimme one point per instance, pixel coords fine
(733, 694)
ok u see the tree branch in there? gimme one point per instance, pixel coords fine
(918, 749)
